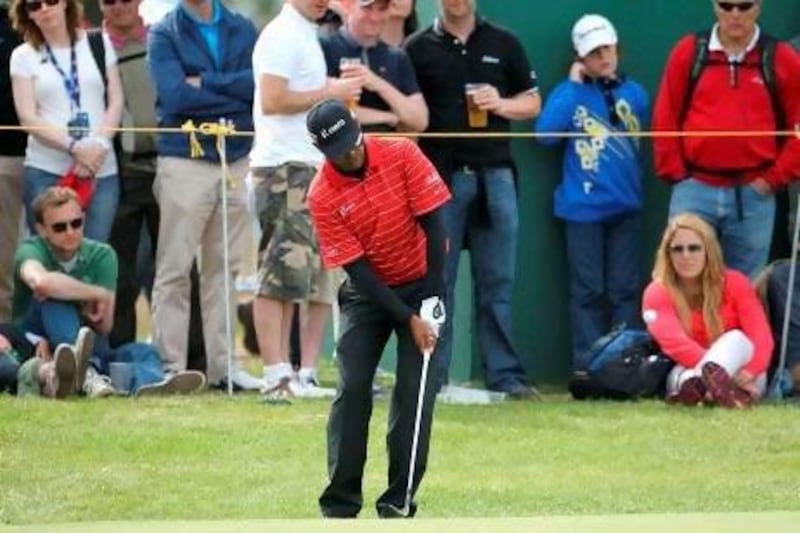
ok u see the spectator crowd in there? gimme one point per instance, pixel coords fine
(98, 204)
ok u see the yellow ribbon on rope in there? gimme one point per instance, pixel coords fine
(215, 129)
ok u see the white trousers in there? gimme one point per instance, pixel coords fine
(732, 350)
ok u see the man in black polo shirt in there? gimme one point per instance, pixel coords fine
(462, 48)
(391, 99)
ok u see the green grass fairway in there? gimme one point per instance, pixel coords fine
(237, 461)
(655, 523)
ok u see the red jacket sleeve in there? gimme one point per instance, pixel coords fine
(787, 74)
(667, 110)
(661, 318)
(752, 320)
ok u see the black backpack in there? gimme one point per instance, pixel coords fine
(767, 44)
(625, 364)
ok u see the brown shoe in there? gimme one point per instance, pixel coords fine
(722, 388)
(691, 392)
(186, 382)
(84, 345)
(60, 373)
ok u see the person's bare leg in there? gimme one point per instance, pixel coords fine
(312, 330)
(269, 318)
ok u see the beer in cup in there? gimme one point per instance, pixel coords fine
(478, 118)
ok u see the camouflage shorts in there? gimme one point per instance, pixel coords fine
(290, 268)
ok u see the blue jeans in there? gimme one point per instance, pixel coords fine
(493, 249)
(99, 216)
(59, 322)
(746, 242)
(604, 277)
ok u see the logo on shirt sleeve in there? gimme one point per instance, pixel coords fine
(649, 316)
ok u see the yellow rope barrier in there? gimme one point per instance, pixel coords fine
(214, 129)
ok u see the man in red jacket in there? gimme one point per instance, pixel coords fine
(730, 181)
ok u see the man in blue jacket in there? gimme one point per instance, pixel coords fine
(199, 58)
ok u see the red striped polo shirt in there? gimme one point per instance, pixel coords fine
(375, 217)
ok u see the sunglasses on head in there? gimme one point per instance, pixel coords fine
(61, 227)
(36, 5)
(112, 2)
(741, 7)
(681, 248)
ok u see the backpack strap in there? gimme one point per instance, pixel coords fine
(98, 46)
(768, 44)
(701, 40)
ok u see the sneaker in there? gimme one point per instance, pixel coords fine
(60, 376)
(97, 385)
(522, 392)
(309, 388)
(245, 381)
(722, 388)
(690, 393)
(185, 382)
(84, 345)
(279, 393)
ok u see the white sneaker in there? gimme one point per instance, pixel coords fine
(278, 393)
(97, 385)
(60, 373)
(309, 388)
(246, 381)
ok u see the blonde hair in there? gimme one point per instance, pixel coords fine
(712, 278)
(52, 197)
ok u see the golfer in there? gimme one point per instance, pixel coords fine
(376, 206)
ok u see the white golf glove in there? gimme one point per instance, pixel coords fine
(432, 312)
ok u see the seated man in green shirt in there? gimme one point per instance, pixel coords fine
(64, 287)
(64, 291)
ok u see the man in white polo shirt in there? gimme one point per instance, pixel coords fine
(290, 77)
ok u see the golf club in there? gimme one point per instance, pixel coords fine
(406, 509)
(774, 387)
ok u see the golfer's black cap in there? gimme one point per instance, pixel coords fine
(333, 128)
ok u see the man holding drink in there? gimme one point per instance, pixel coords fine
(391, 99)
(475, 77)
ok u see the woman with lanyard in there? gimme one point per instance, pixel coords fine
(60, 98)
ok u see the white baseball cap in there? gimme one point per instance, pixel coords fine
(592, 31)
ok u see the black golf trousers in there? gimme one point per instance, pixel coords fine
(365, 329)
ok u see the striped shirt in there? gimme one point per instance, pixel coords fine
(375, 216)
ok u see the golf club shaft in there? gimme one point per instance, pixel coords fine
(787, 311)
(423, 379)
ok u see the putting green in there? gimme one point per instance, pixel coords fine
(773, 522)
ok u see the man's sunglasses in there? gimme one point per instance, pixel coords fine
(61, 227)
(112, 2)
(741, 7)
(680, 248)
(36, 5)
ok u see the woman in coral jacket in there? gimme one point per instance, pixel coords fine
(707, 318)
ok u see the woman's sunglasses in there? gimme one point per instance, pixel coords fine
(742, 7)
(36, 5)
(681, 248)
(61, 227)
(112, 2)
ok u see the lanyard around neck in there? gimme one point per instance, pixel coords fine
(71, 83)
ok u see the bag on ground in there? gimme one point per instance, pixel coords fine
(625, 364)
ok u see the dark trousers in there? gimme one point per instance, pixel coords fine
(365, 329)
(604, 277)
(138, 208)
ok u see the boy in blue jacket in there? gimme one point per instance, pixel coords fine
(600, 195)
